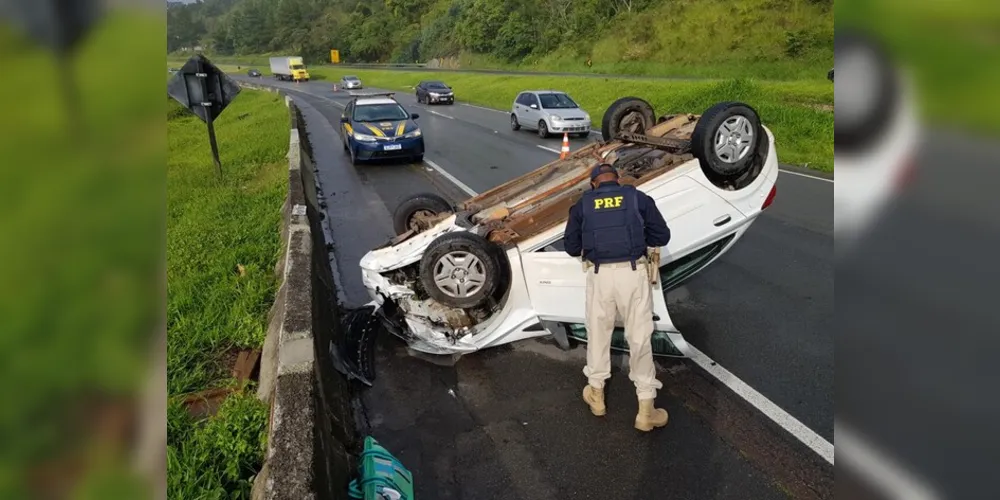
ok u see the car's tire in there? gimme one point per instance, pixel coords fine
(864, 114)
(543, 129)
(354, 157)
(460, 269)
(628, 114)
(726, 141)
(513, 123)
(423, 204)
(418, 158)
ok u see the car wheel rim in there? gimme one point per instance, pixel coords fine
(513, 121)
(459, 274)
(734, 139)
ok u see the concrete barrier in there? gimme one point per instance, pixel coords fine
(312, 435)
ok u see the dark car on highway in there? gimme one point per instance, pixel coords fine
(433, 91)
(253, 73)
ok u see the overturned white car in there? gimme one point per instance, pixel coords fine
(492, 271)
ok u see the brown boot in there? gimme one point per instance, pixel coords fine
(650, 417)
(594, 398)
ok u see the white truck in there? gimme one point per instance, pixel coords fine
(289, 68)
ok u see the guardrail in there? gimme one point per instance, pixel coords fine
(382, 65)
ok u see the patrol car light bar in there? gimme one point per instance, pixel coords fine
(371, 94)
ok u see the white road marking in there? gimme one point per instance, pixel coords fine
(877, 469)
(461, 185)
(807, 175)
(808, 437)
(441, 114)
(556, 151)
(481, 107)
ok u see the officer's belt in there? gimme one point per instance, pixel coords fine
(624, 263)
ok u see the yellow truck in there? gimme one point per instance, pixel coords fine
(289, 68)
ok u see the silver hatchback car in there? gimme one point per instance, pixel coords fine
(549, 112)
(350, 82)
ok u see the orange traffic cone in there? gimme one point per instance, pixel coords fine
(565, 147)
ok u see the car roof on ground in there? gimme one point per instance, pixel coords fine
(363, 101)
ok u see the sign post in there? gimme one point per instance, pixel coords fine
(206, 91)
(334, 56)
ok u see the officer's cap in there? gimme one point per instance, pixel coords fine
(603, 168)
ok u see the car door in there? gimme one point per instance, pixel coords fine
(697, 217)
(532, 114)
(557, 287)
(519, 104)
(346, 128)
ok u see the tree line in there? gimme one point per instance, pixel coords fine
(398, 31)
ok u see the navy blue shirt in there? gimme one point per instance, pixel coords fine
(657, 232)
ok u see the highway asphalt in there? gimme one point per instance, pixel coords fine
(508, 423)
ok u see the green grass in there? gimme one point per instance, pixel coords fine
(222, 246)
(798, 113)
(215, 458)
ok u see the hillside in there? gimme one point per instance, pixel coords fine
(769, 39)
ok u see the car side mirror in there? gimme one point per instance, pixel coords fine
(343, 119)
(534, 106)
(414, 116)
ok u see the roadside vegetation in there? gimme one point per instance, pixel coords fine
(222, 245)
(764, 39)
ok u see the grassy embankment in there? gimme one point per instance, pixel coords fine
(799, 114)
(222, 245)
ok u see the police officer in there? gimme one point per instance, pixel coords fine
(611, 228)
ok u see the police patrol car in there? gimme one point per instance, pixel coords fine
(374, 126)
(493, 269)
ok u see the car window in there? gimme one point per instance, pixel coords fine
(437, 85)
(555, 246)
(379, 113)
(557, 101)
(298, 66)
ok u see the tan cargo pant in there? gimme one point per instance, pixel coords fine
(618, 290)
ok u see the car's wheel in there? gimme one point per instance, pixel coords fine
(420, 100)
(418, 158)
(543, 129)
(460, 269)
(354, 157)
(865, 107)
(628, 114)
(727, 142)
(513, 123)
(419, 205)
